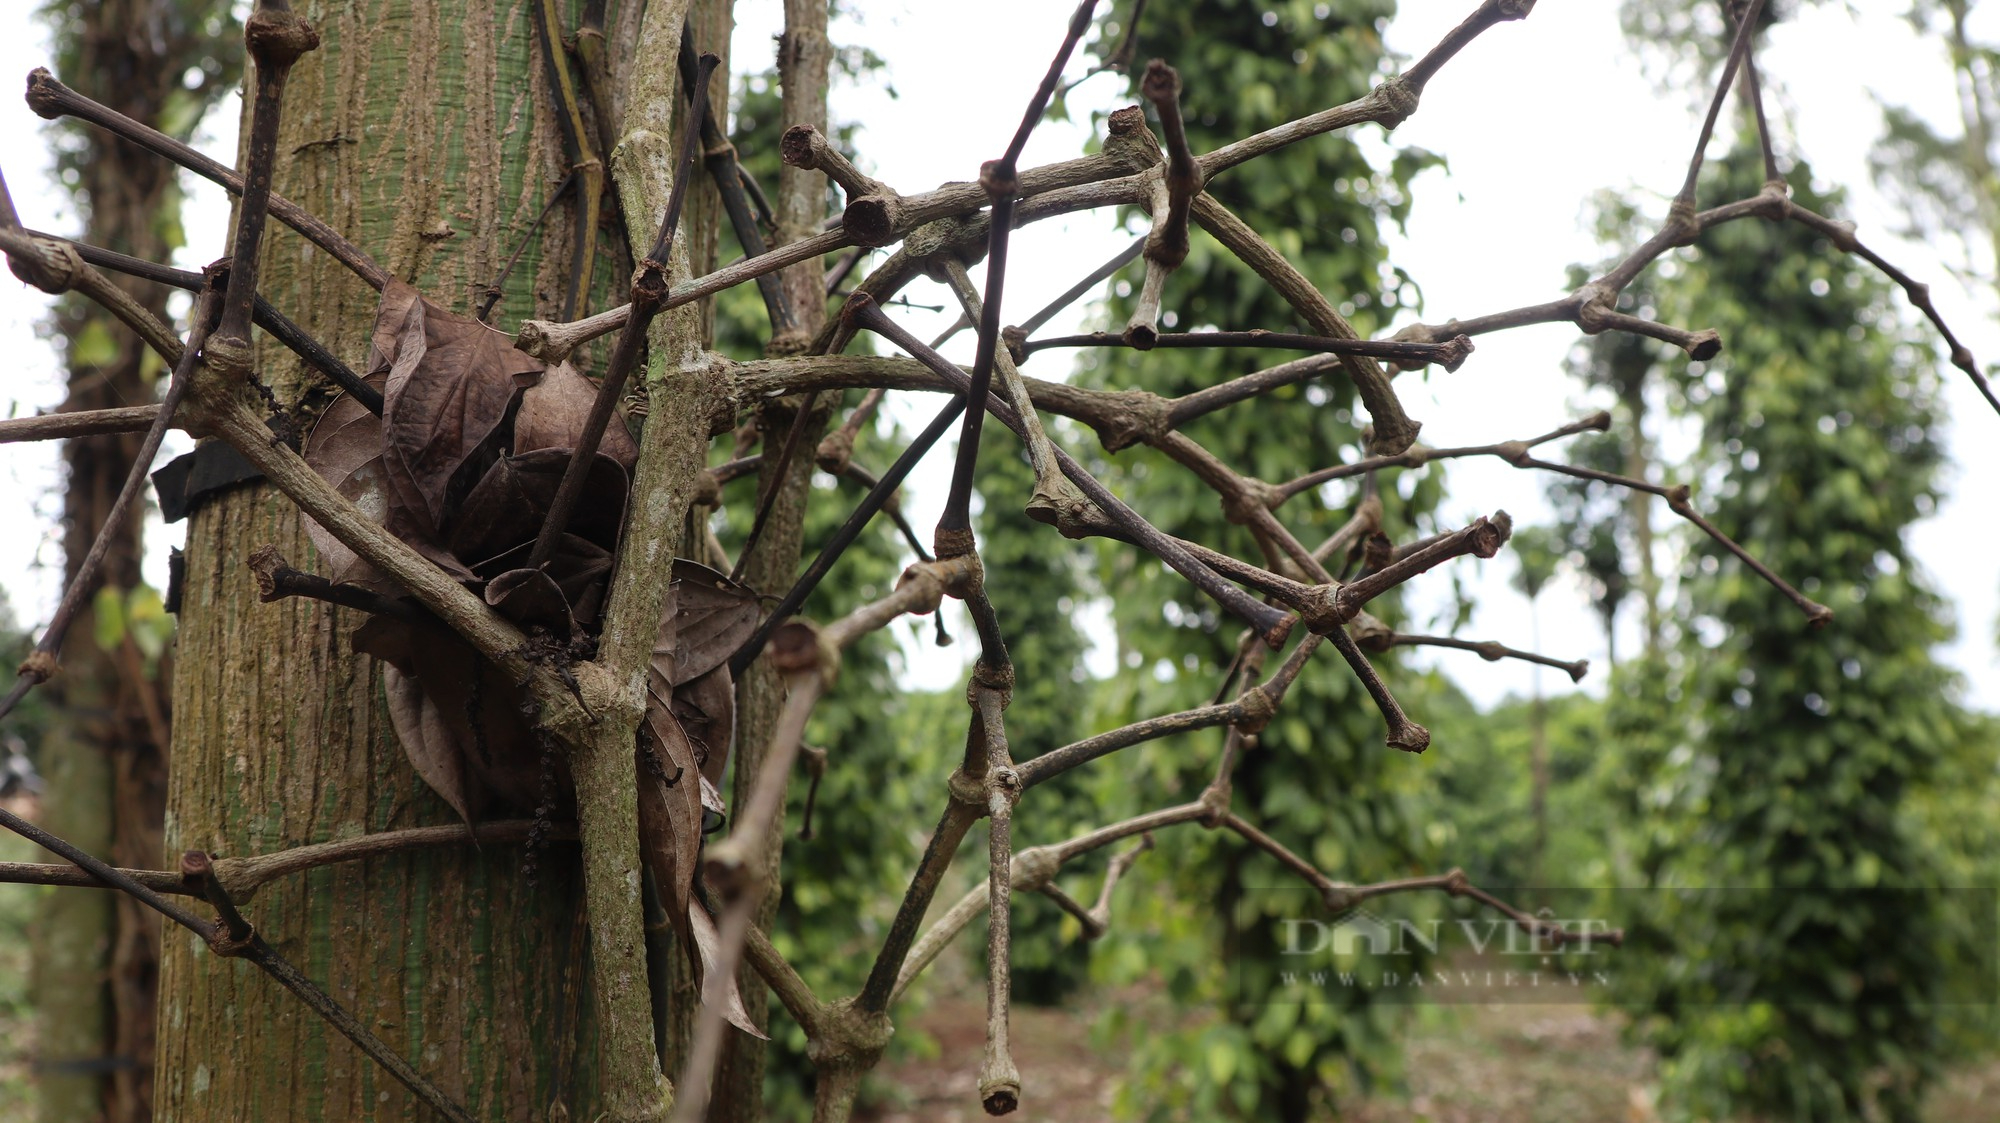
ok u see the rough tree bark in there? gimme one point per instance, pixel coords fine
(425, 133)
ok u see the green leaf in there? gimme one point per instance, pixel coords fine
(108, 618)
(1221, 1061)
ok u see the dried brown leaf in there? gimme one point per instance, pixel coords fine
(553, 412)
(707, 618)
(345, 448)
(579, 568)
(476, 704)
(706, 709)
(428, 741)
(669, 804)
(511, 500)
(450, 381)
(530, 598)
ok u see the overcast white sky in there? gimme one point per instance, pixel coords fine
(1535, 117)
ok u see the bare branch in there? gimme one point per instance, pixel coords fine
(50, 99)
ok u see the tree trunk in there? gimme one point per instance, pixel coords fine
(1638, 462)
(97, 961)
(428, 137)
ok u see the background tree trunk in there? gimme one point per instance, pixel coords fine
(425, 133)
(804, 57)
(97, 961)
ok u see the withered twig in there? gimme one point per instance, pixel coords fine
(1394, 429)
(857, 474)
(198, 874)
(55, 267)
(1099, 916)
(579, 149)
(50, 99)
(1488, 650)
(1252, 708)
(1388, 104)
(822, 563)
(79, 423)
(262, 313)
(1051, 494)
(1451, 352)
(1000, 180)
(244, 876)
(767, 500)
(494, 290)
(808, 657)
(1678, 499)
(731, 179)
(1167, 243)
(815, 759)
(836, 447)
(1417, 455)
(1739, 49)
(276, 37)
(1338, 604)
(1271, 623)
(999, 1079)
(1755, 95)
(276, 580)
(1120, 57)
(1071, 295)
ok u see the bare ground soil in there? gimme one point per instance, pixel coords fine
(1465, 1064)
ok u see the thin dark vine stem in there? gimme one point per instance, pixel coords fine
(1120, 56)
(495, 289)
(262, 313)
(105, 873)
(1079, 22)
(1271, 624)
(794, 437)
(1082, 288)
(276, 38)
(844, 268)
(579, 149)
(1755, 90)
(823, 562)
(1419, 456)
(1488, 650)
(1739, 48)
(870, 481)
(1000, 178)
(731, 179)
(954, 528)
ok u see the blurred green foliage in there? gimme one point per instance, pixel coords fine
(1771, 756)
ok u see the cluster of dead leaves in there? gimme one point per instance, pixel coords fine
(462, 465)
